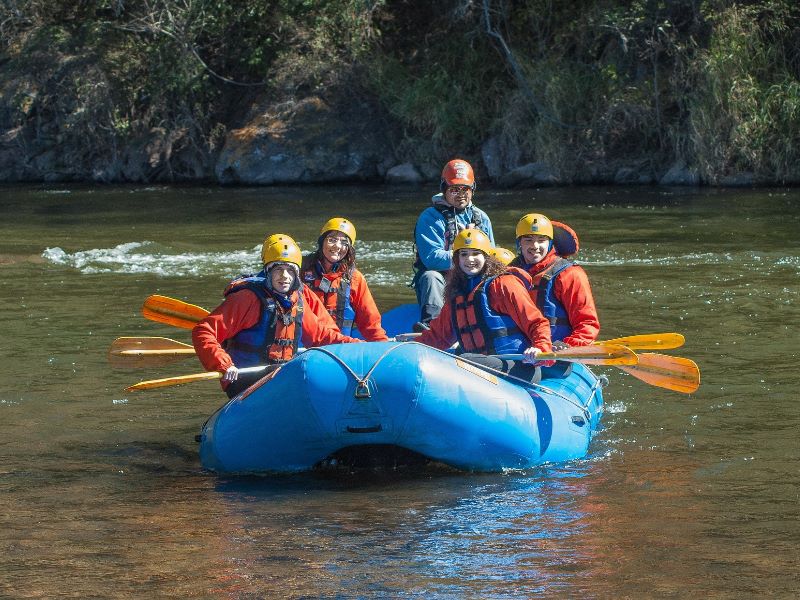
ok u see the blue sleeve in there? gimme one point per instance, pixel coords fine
(429, 238)
(487, 225)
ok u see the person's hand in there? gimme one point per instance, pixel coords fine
(406, 337)
(529, 356)
(559, 345)
(231, 374)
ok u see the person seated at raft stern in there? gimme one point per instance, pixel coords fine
(489, 311)
(560, 288)
(331, 273)
(504, 255)
(263, 319)
(436, 229)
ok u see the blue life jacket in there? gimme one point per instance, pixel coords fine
(551, 307)
(482, 330)
(276, 335)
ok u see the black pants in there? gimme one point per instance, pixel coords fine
(245, 380)
(517, 368)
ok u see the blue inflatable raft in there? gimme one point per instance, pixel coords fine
(401, 395)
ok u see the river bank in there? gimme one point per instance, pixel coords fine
(541, 94)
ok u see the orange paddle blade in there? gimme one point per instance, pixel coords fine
(163, 309)
(669, 372)
(649, 341)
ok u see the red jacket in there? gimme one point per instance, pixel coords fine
(507, 295)
(572, 289)
(241, 311)
(368, 317)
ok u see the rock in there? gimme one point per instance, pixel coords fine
(743, 179)
(404, 174)
(632, 176)
(529, 175)
(500, 156)
(309, 141)
(680, 174)
(431, 172)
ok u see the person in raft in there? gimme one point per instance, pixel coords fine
(560, 287)
(263, 319)
(436, 229)
(331, 274)
(504, 255)
(489, 311)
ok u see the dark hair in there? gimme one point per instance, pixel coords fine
(457, 281)
(346, 264)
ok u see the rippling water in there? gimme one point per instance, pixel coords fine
(681, 496)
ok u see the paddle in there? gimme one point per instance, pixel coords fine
(599, 354)
(649, 341)
(181, 379)
(163, 309)
(660, 370)
(671, 372)
(143, 352)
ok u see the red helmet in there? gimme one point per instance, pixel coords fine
(458, 172)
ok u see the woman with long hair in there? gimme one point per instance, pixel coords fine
(488, 309)
(331, 273)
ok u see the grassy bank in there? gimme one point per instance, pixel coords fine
(579, 85)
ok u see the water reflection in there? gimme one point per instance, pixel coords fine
(446, 535)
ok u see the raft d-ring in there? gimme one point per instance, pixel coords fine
(362, 389)
(603, 380)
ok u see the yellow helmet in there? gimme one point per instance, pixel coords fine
(504, 255)
(281, 248)
(340, 224)
(273, 239)
(472, 239)
(535, 224)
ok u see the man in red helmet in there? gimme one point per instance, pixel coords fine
(452, 211)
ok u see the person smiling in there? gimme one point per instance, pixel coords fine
(263, 319)
(560, 287)
(331, 273)
(488, 309)
(436, 229)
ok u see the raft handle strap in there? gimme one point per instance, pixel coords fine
(362, 383)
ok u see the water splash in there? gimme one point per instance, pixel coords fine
(383, 260)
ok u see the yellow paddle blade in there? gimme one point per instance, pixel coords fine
(145, 352)
(163, 309)
(181, 379)
(669, 372)
(168, 381)
(649, 341)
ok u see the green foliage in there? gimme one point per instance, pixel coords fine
(745, 112)
(713, 82)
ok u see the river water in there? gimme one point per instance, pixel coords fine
(681, 496)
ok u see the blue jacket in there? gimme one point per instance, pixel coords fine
(429, 234)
